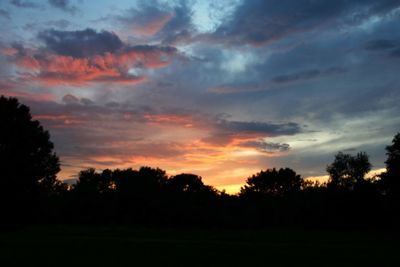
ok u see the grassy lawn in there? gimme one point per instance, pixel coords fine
(123, 246)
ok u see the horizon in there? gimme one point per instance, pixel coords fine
(222, 90)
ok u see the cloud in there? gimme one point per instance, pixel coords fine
(388, 45)
(70, 99)
(4, 14)
(396, 52)
(78, 57)
(223, 131)
(24, 4)
(180, 28)
(8, 89)
(381, 44)
(163, 23)
(54, 69)
(110, 136)
(276, 81)
(265, 128)
(268, 147)
(146, 19)
(64, 5)
(80, 44)
(127, 135)
(259, 22)
(306, 75)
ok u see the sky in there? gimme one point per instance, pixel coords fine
(221, 89)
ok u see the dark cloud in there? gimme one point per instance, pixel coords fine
(271, 147)
(382, 44)
(167, 24)
(80, 43)
(70, 99)
(150, 48)
(4, 14)
(268, 147)
(396, 52)
(307, 75)
(276, 81)
(64, 5)
(223, 132)
(179, 29)
(24, 4)
(262, 21)
(393, 46)
(265, 128)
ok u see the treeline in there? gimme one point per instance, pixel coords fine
(274, 197)
(30, 192)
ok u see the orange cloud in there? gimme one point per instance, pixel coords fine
(54, 69)
(39, 97)
(186, 121)
(60, 121)
(9, 51)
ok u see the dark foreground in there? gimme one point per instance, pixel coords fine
(119, 246)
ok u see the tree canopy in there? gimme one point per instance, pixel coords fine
(273, 182)
(391, 178)
(346, 170)
(28, 163)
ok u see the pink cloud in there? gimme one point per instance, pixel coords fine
(54, 69)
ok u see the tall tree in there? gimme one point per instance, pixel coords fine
(28, 164)
(391, 178)
(346, 170)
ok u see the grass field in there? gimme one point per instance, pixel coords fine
(122, 246)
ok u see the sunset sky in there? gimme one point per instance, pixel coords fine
(221, 89)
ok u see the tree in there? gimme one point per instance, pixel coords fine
(145, 183)
(185, 183)
(91, 182)
(391, 178)
(273, 182)
(346, 171)
(28, 165)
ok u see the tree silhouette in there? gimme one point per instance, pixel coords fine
(186, 184)
(273, 182)
(28, 165)
(391, 178)
(143, 183)
(346, 170)
(91, 182)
